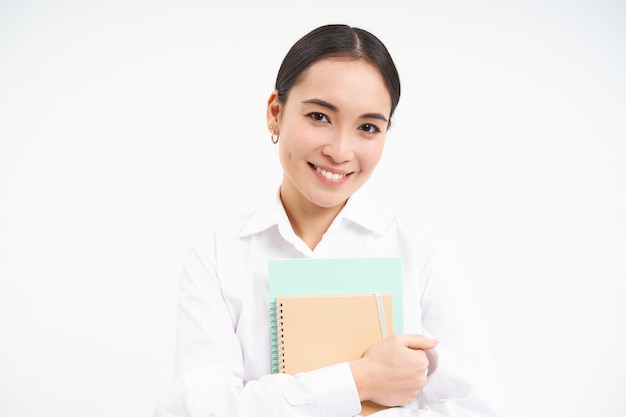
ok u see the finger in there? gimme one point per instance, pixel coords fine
(417, 341)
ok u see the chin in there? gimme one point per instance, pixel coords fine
(326, 202)
(330, 205)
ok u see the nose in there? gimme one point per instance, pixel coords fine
(340, 147)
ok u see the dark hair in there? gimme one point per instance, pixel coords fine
(337, 41)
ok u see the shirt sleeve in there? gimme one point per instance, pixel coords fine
(463, 380)
(209, 365)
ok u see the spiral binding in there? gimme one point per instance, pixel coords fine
(277, 349)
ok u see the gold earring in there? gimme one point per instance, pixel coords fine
(274, 137)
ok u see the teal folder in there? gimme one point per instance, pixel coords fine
(307, 276)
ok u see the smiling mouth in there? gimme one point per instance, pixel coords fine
(330, 176)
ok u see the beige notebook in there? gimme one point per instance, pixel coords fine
(318, 331)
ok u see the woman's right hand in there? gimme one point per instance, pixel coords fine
(393, 371)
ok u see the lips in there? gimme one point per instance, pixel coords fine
(330, 176)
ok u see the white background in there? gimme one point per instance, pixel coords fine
(128, 127)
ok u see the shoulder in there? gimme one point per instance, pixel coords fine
(397, 225)
(397, 233)
(417, 230)
(221, 230)
(228, 234)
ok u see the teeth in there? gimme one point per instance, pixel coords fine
(329, 175)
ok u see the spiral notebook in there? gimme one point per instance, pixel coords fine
(322, 330)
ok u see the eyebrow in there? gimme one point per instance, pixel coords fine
(334, 108)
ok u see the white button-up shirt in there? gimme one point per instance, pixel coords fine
(223, 366)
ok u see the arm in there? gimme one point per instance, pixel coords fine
(463, 380)
(210, 377)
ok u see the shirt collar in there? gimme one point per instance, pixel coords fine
(357, 210)
(269, 214)
(362, 212)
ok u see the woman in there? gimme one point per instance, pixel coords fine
(336, 92)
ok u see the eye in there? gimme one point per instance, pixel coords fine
(369, 128)
(318, 117)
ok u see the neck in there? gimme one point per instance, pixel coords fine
(309, 221)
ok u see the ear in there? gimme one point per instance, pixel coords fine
(273, 112)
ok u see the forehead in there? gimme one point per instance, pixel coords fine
(344, 81)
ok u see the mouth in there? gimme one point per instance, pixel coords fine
(330, 176)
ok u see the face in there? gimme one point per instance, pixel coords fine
(332, 131)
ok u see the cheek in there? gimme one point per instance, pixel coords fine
(296, 143)
(372, 155)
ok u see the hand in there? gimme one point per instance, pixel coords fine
(393, 371)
